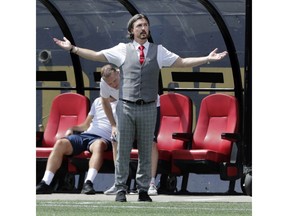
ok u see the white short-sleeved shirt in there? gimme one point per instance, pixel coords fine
(100, 124)
(117, 54)
(106, 91)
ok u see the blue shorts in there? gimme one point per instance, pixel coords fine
(82, 142)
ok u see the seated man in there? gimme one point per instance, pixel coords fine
(95, 138)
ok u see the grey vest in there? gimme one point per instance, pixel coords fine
(139, 81)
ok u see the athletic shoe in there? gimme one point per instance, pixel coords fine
(133, 191)
(111, 191)
(121, 196)
(144, 197)
(88, 188)
(43, 188)
(152, 190)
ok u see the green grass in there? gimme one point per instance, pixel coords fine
(110, 208)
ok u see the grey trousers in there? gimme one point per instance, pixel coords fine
(134, 121)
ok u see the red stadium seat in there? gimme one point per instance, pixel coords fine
(212, 141)
(67, 109)
(175, 116)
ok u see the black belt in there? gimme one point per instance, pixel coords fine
(138, 102)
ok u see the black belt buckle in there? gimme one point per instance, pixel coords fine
(140, 102)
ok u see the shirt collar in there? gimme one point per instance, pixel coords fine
(136, 45)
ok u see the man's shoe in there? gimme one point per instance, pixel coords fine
(144, 197)
(152, 190)
(111, 191)
(88, 188)
(43, 188)
(121, 196)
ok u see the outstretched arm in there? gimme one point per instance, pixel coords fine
(82, 52)
(196, 61)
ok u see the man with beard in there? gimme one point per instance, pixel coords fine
(139, 63)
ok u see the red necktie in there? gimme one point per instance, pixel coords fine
(142, 57)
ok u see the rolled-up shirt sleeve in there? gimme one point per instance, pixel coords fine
(165, 58)
(115, 55)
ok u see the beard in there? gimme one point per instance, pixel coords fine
(143, 35)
